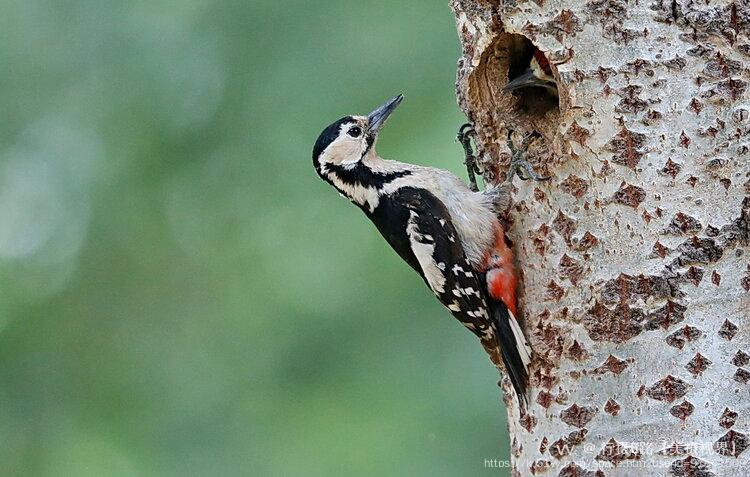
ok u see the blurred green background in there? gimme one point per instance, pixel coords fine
(179, 293)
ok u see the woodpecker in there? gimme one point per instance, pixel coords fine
(450, 235)
(539, 74)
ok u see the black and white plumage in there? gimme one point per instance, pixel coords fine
(448, 234)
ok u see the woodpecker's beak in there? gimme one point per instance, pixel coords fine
(527, 78)
(376, 119)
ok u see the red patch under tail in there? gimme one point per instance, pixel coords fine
(501, 274)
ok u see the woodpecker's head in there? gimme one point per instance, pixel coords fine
(343, 144)
(538, 74)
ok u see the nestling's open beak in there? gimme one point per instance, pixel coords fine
(376, 119)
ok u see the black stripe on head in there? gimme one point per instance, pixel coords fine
(328, 135)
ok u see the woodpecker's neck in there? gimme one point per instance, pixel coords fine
(363, 181)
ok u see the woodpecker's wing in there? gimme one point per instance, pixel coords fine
(444, 266)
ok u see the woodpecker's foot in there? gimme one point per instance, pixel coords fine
(518, 166)
(464, 136)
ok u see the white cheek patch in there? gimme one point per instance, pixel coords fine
(352, 160)
(343, 151)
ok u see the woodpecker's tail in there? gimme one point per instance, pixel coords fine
(516, 352)
(501, 284)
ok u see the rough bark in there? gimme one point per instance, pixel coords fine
(635, 255)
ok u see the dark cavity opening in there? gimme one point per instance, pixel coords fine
(531, 100)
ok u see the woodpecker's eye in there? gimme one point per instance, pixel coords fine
(354, 131)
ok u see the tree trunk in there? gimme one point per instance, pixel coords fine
(635, 254)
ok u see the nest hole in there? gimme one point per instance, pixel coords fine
(526, 110)
(530, 108)
(531, 100)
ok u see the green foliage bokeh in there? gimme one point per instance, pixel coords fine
(179, 293)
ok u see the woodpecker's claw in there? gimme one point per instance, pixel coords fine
(465, 133)
(526, 167)
(518, 166)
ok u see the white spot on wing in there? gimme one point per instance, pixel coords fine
(424, 253)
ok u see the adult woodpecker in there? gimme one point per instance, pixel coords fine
(449, 234)
(539, 74)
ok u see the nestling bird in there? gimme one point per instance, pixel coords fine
(449, 234)
(538, 74)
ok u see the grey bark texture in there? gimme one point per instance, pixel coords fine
(636, 254)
